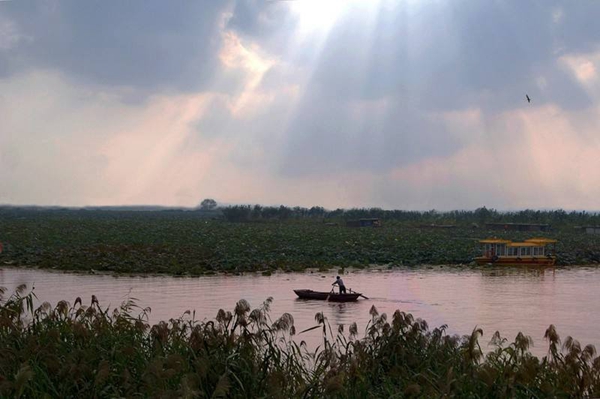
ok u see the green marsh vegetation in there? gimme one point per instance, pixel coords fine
(182, 242)
(80, 350)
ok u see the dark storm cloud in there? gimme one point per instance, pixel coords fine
(431, 57)
(445, 55)
(368, 94)
(260, 18)
(441, 54)
(148, 45)
(271, 23)
(579, 29)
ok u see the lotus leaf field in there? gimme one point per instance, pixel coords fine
(187, 243)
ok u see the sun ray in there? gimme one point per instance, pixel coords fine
(318, 16)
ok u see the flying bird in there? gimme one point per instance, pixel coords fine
(528, 99)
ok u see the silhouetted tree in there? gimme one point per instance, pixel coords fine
(208, 204)
(284, 212)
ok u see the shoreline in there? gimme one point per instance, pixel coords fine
(269, 272)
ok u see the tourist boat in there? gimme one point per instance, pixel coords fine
(329, 296)
(532, 252)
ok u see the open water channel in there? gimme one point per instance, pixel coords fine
(505, 299)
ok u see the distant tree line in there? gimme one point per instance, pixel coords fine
(480, 216)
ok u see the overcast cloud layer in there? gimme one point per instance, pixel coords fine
(399, 104)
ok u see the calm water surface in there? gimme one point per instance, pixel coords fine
(507, 300)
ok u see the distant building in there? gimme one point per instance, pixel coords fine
(518, 226)
(592, 229)
(371, 222)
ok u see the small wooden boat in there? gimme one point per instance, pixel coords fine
(349, 297)
(532, 252)
(310, 294)
(329, 296)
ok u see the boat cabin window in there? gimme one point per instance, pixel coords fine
(513, 251)
(494, 250)
(501, 250)
(525, 251)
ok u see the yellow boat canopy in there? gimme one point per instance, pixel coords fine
(541, 240)
(532, 242)
(524, 244)
(494, 241)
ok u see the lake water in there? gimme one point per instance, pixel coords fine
(505, 299)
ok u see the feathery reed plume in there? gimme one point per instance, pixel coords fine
(83, 351)
(553, 343)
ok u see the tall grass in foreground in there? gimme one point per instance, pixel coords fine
(87, 351)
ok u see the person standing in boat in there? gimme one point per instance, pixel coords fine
(340, 283)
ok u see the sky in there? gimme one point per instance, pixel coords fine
(399, 104)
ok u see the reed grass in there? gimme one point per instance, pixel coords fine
(77, 350)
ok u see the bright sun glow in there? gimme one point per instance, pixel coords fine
(321, 15)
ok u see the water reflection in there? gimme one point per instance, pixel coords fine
(340, 313)
(505, 299)
(533, 272)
